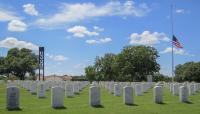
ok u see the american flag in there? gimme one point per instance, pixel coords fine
(176, 42)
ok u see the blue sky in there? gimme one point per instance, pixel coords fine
(75, 32)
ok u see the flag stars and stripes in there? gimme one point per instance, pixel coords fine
(176, 42)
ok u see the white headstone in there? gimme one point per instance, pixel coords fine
(183, 94)
(94, 96)
(117, 90)
(175, 89)
(144, 89)
(75, 88)
(41, 91)
(111, 87)
(195, 87)
(33, 88)
(128, 95)
(191, 89)
(57, 97)
(12, 97)
(138, 90)
(158, 94)
(171, 88)
(28, 86)
(69, 90)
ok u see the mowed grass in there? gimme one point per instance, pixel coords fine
(30, 104)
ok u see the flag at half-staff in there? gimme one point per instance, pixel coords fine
(176, 42)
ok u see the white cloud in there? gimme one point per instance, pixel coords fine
(11, 42)
(30, 9)
(8, 15)
(148, 38)
(81, 31)
(100, 41)
(77, 12)
(58, 58)
(105, 40)
(16, 25)
(99, 29)
(180, 11)
(91, 41)
(176, 51)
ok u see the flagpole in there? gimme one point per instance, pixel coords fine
(172, 32)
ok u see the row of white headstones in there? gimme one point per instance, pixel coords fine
(60, 89)
(184, 90)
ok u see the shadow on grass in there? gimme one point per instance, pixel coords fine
(42, 97)
(70, 96)
(15, 109)
(98, 106)
(76, 93)
(162, 103)
(59, 108)
(188, 102)
(131, 104)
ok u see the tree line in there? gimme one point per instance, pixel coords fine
(133, 63)
(189, 71)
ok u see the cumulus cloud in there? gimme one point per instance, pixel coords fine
(16, 25)
(105, 40)
(91, 41)
(30, 9)
(58, 58)
(176, 51)
(6, 15)
(81, 11)
(100, 41)
(148, 38)
(11, 42)
(81, 31)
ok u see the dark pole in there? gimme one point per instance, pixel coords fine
(39, 63)
(43, 63)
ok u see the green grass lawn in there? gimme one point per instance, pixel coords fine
(30, 104)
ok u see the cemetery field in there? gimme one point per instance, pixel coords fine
(31, 104)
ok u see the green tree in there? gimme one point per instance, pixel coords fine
(104, 67)
(134, 63)
(20, 61)
(190, 71)
(90, 73)
(2, 65)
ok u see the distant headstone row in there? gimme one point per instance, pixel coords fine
(183, 90)
(127, 89)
